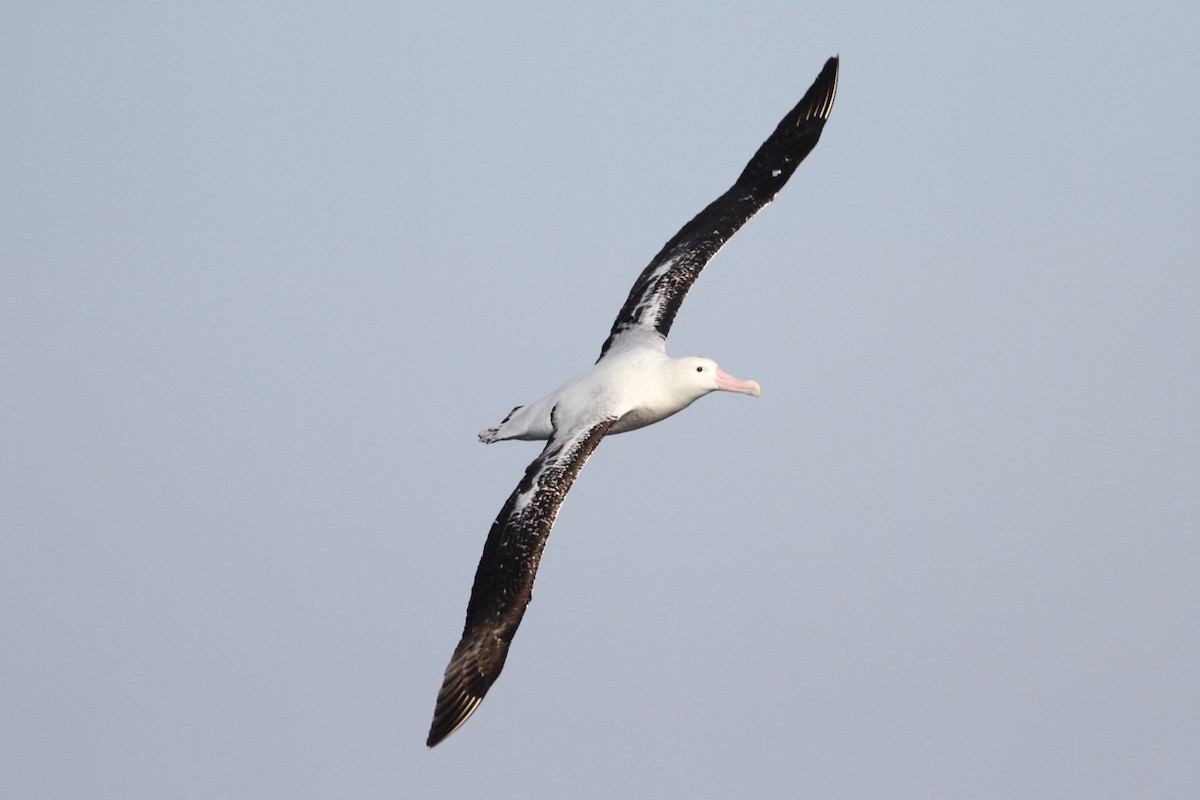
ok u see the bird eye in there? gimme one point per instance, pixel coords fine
(699, 369)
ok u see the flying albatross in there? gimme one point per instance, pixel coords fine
(633, 384)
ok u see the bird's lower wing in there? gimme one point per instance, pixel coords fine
(504, 579)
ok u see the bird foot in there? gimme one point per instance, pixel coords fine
(488, 436)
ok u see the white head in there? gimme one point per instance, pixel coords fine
(672, 385)
(699, 376)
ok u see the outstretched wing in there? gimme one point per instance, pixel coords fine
(504, 579)
(659, 290)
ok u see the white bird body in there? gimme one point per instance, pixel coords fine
(636, 386)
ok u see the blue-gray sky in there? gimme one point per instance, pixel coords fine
(266, 269)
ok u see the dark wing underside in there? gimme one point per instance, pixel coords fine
(504, 579)
(659, 290)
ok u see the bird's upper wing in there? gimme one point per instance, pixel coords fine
(504, 579)
(658, 292)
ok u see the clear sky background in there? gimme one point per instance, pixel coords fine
(265, 269)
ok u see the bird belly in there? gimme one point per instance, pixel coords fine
(639, 418)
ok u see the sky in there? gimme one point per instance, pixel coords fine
(266, 269)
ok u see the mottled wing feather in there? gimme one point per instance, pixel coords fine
(504, 579)
(659, 290)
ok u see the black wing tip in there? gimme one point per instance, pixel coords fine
(467, 680)
(817, 102)
(455, 705)
(794, 138)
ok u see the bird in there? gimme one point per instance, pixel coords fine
(631, 385)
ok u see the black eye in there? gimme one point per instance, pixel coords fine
(699, 369)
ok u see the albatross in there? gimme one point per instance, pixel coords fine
(633, 384)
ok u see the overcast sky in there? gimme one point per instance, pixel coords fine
(265, 269)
